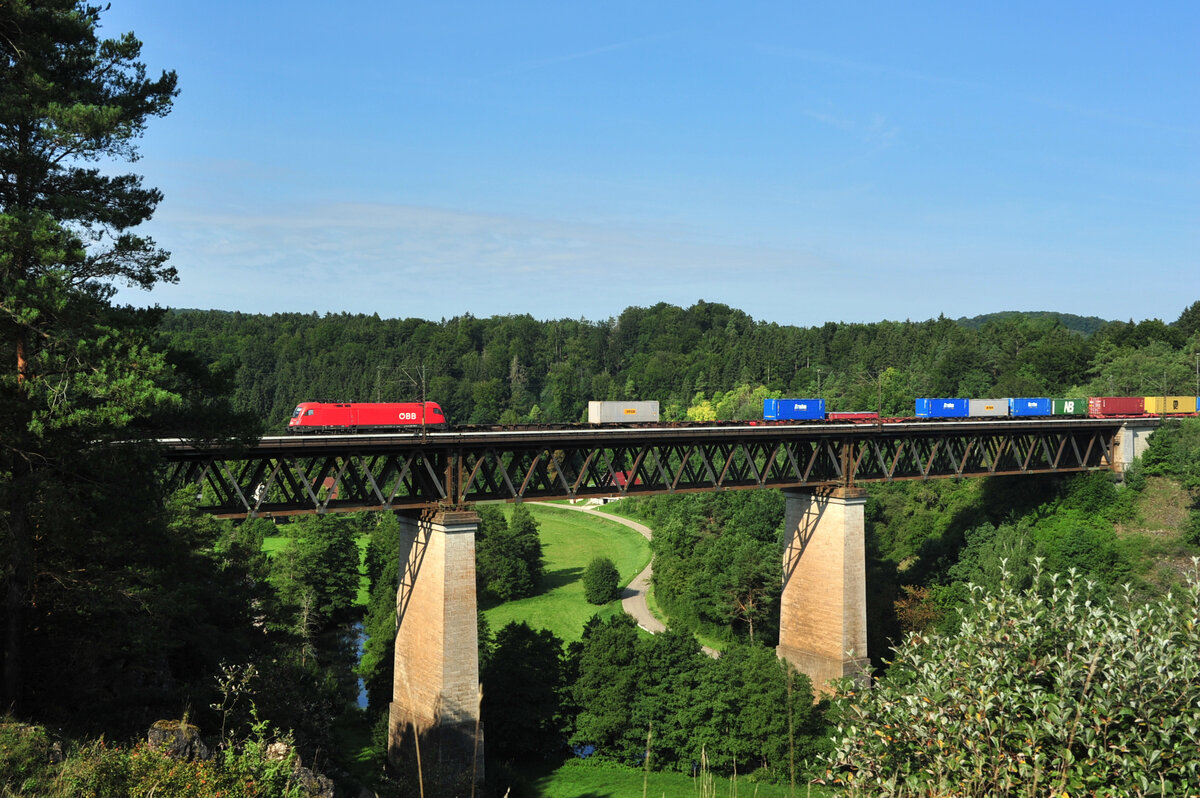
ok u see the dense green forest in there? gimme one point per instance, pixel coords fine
(518, 369)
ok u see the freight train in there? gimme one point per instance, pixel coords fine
(1011, 407)
(324, 416)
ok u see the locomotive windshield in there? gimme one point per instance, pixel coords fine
(297, 411)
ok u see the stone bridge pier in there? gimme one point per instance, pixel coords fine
(434, 714)
(823, 612)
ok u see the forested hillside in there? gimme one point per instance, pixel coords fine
(1080, 324)
(716, 555)
(933, 548)
(516, 368)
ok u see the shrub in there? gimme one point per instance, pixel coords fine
(1041, 692)
(1191, 529)
(263, 765)
(25, 758)
(601, 582)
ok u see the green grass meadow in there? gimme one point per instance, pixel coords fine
(570, 540)
(579, 780)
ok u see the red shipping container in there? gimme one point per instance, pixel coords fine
(1116, 406)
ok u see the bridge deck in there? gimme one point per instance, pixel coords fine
(332, 473)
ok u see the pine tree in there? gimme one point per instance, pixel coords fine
(78, 369)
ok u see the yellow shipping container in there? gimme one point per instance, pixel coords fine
(1157, 405)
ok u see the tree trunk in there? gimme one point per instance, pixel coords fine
(22, 361)
(17, 578)
(20, 565)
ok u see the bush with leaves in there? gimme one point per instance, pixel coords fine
(262, 765)
(1191, 530)
(1174, 451)
(25, 758)
(1043, 692)
(601, 581)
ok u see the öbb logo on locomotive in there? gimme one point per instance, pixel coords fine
(329, 416)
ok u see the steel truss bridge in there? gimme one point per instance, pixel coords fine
(342, 473)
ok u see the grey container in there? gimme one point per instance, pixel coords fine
(622, 412)
(987, 407)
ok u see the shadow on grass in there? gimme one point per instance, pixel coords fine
(535, 778)
(549, 581)
(559, 578)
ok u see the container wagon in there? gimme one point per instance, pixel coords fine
(942, 408)
(793, 409)
(984, 408)
(1170, 405)
(622, 412)
(1027, 407)
(1101, 406)
(1068, 407)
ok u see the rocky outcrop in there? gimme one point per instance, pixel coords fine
(180, 739)
(313, 784)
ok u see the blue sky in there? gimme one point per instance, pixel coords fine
(803, 162)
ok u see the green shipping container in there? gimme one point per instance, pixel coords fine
(1068, 407)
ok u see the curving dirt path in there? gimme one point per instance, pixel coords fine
(633, 598)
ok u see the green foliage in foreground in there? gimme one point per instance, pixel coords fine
(1040, 692)
(97, 768)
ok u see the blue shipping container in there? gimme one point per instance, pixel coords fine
(1027, 406)
(793, 409)
(942, 408)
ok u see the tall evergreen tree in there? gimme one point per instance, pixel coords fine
(77, 370)
(508, 555)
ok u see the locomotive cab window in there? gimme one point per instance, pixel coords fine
(297, 411)
(309, 413)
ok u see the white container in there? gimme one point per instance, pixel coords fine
(987, 407)
(622, 412)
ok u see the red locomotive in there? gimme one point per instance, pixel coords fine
(364, 416)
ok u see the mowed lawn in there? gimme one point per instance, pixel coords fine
(570, 540)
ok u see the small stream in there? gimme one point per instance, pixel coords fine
(360, 641)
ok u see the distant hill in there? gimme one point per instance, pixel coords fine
(1085, 325)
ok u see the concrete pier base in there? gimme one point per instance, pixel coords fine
(1131, 442)
(434, 714)
(823, 612)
